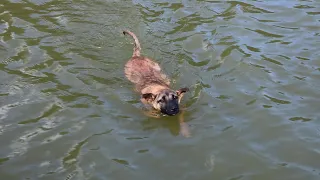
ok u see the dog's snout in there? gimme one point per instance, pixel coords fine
(174, 109)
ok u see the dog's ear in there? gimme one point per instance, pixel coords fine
(148, 96)
(182, 90)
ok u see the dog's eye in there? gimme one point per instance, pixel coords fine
(162, 99)
(174, 97)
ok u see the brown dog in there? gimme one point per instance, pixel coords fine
(152, 84)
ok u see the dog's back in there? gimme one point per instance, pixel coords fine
(142, 71)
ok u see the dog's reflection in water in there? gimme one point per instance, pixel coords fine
(176, 124)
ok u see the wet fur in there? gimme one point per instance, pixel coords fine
(151, 82)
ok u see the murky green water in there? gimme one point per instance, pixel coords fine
(68, 112)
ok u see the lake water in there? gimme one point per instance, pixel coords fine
(68, 112)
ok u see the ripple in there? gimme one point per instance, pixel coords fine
(136, 138)
(73, 154)
(280, 41)
(271, 60)
(143, 151)
(303, 119)
(251, 102)
(71, 158)
(228, 51)
(223, 97)
(314, 13)
(278, 101)
(253, 49)
(264, 20)
(302, 58)
(121, 161)
(3, 160)
(303, 6)
(265, 33)
(284, 27)
(198, 64)
(53, 109)
(249, 7)
(267, 106)
(151, 14)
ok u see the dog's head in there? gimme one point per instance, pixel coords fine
(167, 101)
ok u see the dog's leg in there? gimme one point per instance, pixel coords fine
(152, 113)
(149, 112)
(184, 127)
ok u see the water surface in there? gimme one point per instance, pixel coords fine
(68, 112)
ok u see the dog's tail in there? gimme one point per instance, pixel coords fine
(137, 48)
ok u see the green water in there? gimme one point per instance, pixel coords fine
(68, 112)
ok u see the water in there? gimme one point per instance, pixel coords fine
(68, 112)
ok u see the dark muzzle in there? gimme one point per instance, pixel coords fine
(171, 109)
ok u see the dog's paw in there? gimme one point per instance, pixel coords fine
(152, 113)
(184, 130)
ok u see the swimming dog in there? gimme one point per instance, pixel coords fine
(151, 82)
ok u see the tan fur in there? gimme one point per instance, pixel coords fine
(148, 78)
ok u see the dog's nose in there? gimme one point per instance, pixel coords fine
(174, 109)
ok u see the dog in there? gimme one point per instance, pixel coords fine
(151, 82)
